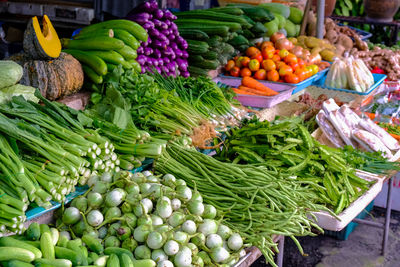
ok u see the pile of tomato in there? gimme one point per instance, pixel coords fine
(264, 62)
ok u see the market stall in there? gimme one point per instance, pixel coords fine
(194, 138)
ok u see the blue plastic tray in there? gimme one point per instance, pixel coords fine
(378, 78)
(363, 34)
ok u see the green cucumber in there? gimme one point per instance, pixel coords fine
(98, 33)
(208, 29)
(33, 231)
(113, 261)
(214, 41)
(233, 26)
(197, 47)
(54, 262)
(65, 253)
(135, 65)
(193, 34)
(222, 18)
(63, 240)
(44, 228)
(96, 63)
(127, 38)
(118, 251)
(238, 41)
(75, 246)
(36, 244)
(98, 43)
(130, 26)
(16, 263)
(211, 55)
(46, 246)
(125, 261)
(228, 10)
(55, 235)
(8, 241)
(93, 243)
(127, 52)
(200, 62)
(14, 253)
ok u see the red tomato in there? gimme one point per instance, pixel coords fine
(272, 75)
(235, 71)
(229, 65)
(290, 59)
(245, 61)
(292, 78)
(285, 70)
(258, 57)
(252, 51)
(245, 72)
(261, 74)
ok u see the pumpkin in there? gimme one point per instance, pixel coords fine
(54, 78)
(41, 44)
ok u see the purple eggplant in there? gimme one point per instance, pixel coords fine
(141, 60)
(173, 27)
(174, 46)
(166, 60)
(185, 54)
(148, 51)
(156, 53)
(168, 22)
(168, 15)
(140, 50)
(185, 74)
(178, 52)
(154, 33)
(158, 14)
(160, 62)
(148, 25)
(158, 44)
(182, 64)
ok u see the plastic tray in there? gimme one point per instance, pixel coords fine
(285, 91)
(363, 34)
(378, 78)
(297, 86)
(329, 222)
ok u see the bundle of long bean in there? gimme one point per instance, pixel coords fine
(255, 201)
(287, 147)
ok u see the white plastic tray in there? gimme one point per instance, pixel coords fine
(329, 222)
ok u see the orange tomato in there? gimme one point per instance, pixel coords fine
(301, 73)
(266, 44)
(314, 69)
(235, 71)
(254, 65)
(258, 57)
(272, 76)
(245, 72)
(294, 66)
(238, 62)
(283, 53)
(276, 58)
(268, 65)
(260, 75)
(291, 58)
(280, 64)
(245, 61)
(252, 51)
(229, 65)
(291, 78)
(301, 62)
(268, 52)
(285, 70)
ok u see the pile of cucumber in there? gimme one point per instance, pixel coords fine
(101, 47)
(214, 34)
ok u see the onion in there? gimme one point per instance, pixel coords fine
(283, 43)
(171, 247)
(92, 180)
(235, 242)
(151, 179)
(276, 36)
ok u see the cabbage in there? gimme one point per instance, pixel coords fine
(26, 91)
(10, 73)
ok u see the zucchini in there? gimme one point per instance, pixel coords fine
(135, 65)
(210, 55)
(206, 64)
(33, 231)
(99, 33)
(193, 34)
(111, 57)
(233, 26)
(8, 241)
(197, 47)
(113, 261)
(16, 263)
(127, 38)
(255, 12)
(46, 246)
(54, 262)
(97, 79)
(127, 52)
(93, 243)
(14, 253)
(213, 16)
(96, 63)
(98, 43)
(130, 26)
(228, 10)
(195, 71)
(118, 252)
(125, 261)
(249, 20)
(66, 253)
(209, 29)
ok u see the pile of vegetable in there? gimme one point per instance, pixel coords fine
(136, 218)
(257, 202)
(287, 19)
(272, 61)
(286, 147)
(164, 50)
(103, 46)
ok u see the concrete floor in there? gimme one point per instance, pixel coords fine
(362, 249)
